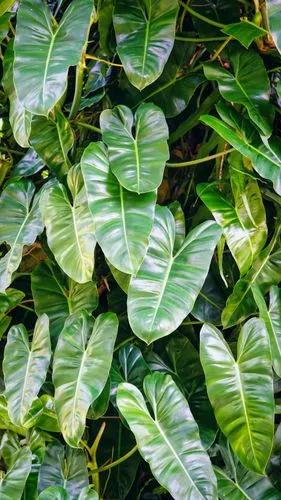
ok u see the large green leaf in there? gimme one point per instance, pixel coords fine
(244, 409)
(20, 223)
(20, 118)
(80, 369)
(266, 271)
(123, 220)
(169, 440)
(274, 16)
(54, 493)
(29, 164)
(64, 467)
(44, 55)
(244, 31)
(272, 318)
(52, 140)
(70, 227)
(167, 284)
(145, 35)
(59, 296)
(25, 367)
(266, 158)
(136, 158)
(249, 85)
(244, 222)
(12, 483)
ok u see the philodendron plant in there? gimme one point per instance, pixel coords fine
(140, 263)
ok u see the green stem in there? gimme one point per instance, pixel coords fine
(93, 454)
(200, 40)
(78, 89)
(191, 163)
(13, 151)
(118, 461)
(201, 17)
(109, 63)
(125, 342)
(88, 126)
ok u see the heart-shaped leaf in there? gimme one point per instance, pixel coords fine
(167, 284)
(169, 440)
(137, 159)
(244, 409)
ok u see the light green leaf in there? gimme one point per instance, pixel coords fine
(245, 32)
(169, 440)
(272, 319)
(249, 85)
(66, 468)
(88, 493)
(52, 140)
(58, 296)
(70, 229)
(80, 369)
(178, 213)
(12, 483)
(266, 271)
(44, 55)
(145, 35)
(266, 158)
(54, 493)
(244, 409)
(20, 223)
(25, 367)
(20, 118)
(167, 284)
(5, 6)
(123, 220)
(137, 159)
(244, 221)
(29, 164)
(274, 16)
(227, 488)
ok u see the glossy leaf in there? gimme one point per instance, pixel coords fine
(274, 16)
(168, 440)
(12, 484)
(58, 296)
(123, 220)
(174, 278)
(145, 36)
(80, 369)
(65, 468)
(54, 493)
(70, 228)
(244, 222)
(25, 367)
(249, 85)
(272, 319)
(20, 223)
(41, 74)
(30, 164)
(266, 158)
(243, 409)
(244, 31)
(5, 6)
(137, 159)
(52, 140)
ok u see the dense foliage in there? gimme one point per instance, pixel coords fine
(140, 308)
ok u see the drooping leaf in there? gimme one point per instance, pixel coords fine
(70, 228)
(25, 367)
(12, 483)
(265, 272)
(20, 118)
(80, 369)
(145, 36)
(123, 220)
(65, 468)
(137, 159)
(266, 158)
(169, 440)
(44, 55)
(272, 319)
(244, 222)
(274, 16)
(58, 296)
(20, 223)
(243, 409)
(52, 140)
(249, 85)
(245, 32)
(175, 278)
